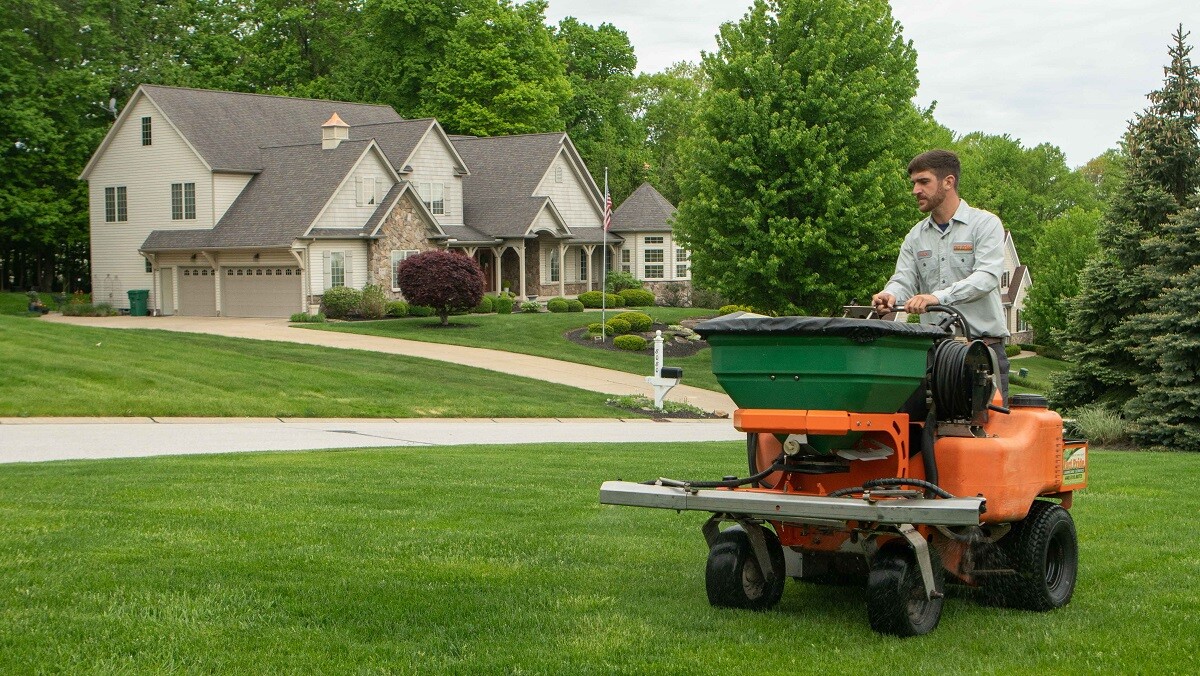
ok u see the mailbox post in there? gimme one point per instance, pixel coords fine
(664, 378)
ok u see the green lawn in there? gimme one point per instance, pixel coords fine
(1040, 370)
(500, 560)
(59, 370)
(542, 335)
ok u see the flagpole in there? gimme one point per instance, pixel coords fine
(604, 263)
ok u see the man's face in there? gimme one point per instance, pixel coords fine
(929, 191)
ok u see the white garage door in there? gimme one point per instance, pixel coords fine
(260, 291)
(197, 292)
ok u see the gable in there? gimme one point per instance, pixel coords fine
(360, 192)
(572, 196)
(123, 154)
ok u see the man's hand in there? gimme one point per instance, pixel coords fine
(883, 302)
(918, 303)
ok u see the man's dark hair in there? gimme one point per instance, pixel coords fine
(942, 163)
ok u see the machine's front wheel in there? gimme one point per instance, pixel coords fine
(1044, 551)
(896, 602)
(734, 577)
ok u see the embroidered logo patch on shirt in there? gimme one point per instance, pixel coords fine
(925, 253)
(963, 247)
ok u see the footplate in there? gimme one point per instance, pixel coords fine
(794, 508)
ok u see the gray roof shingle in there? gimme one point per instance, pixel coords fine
(505, 171)
(646, 210)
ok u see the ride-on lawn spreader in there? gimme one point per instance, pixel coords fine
(880, 452)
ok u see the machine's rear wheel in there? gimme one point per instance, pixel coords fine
(761, 451)
(896, 602)
(1044, 551)
(734, 577)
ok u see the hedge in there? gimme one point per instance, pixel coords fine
(504, 306)
(638, 321)
(631, 343)
(487, 304)
(340, 301)
(397, 308)
(557, 305)
(618, 326)
(592, 299)
(637, 297)
(574, 306)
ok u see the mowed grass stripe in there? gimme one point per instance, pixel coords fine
(499, 559)
(58, 370)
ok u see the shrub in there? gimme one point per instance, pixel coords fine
(1100, 425)
(731, 308)
(616, 282)
(618, 326)
(530, 307)
(504, 305)
(373, 304)
(638, 321)
(596, 327)
(397, 308)
(706, 298)
(1012, 350)
(421, 311)
(1051, 352)
(486, 304)
(305, 318)
(637, 297)
(631, 343)
(674, 295)
(340, 301)
(592, 299)
(557, 305)
(443, 280)
(574, 306)
(89, 310)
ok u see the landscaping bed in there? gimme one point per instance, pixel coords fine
(674, 346)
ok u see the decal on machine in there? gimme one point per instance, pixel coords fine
(1074, 465)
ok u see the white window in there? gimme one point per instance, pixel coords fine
(366, 191)
(558, 174)
(654, 240)
(115, 205)
(399, 255)
(146, 138)
(654, 255)
(681, 255)
(681, 270)
(183, 201)
(434, 197)
(625, 256)
(583, 265)
(554, 265)
(654, 272)
(337, 268)
(369, 190)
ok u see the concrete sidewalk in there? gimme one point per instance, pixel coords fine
(43, 439)
(550, 370)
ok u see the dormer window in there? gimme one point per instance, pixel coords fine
(146, 137)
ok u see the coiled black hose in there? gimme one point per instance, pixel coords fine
(951, 380)
(897, 481)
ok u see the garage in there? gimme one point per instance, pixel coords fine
(261, 291)
(197, 292)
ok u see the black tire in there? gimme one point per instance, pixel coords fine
(733, 576)
(1044, 551)
(896, 602)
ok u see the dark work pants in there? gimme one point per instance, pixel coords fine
(997, 345)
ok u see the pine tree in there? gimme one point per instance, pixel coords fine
(794, 194)
(1107, 329)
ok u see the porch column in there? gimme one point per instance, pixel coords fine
(562, 269)
(521, 260)
(591, 265)
(497, 255)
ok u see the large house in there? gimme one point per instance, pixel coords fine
(222, 203)
(649, 251)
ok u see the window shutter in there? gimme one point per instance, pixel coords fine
(358, 190)
(328, 273)
(350, 270)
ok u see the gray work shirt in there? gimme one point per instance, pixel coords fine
(960, 267)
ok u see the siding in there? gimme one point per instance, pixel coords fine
(355, 251)
(147, 172)
(570, 196)
(635, 243)
(226, 188)
(343, 211)
(432, 162)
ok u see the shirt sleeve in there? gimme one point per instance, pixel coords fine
(989, 264)
(903, 284)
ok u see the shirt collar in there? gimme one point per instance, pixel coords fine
(960, 215)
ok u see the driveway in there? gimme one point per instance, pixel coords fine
(551, 370)
(37, 440)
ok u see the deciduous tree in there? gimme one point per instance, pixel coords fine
(447, 282)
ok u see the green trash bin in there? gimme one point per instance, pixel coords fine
(138, 300)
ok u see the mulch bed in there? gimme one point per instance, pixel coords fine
(673, 348)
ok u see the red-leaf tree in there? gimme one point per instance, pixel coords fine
(445, 281)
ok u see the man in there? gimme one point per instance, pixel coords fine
(953, 257)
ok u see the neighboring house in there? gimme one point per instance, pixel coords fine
(1014, 289)
(650, 252)
(233, 204)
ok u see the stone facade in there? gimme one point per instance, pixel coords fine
(403, 230)
(681, 289)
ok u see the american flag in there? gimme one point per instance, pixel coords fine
(607, 210)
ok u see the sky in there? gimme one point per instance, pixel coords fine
(1071, 73)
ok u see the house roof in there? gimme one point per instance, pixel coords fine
(498, 196)
(228, 129)
(1016, 281)
(589, 235)
(462, 234)
(278, 205)
(646, 210)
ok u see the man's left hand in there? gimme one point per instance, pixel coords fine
(918, 303)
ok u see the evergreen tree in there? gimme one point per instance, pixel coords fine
(794, 194)
(1122, 282)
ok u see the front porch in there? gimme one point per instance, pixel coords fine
(541, 267)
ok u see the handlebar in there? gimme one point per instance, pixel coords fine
(954, 317)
